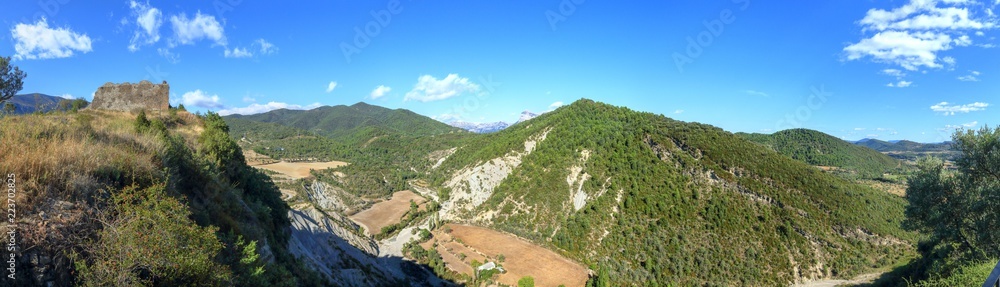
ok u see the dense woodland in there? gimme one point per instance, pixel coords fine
(821, 149)
(693, 204)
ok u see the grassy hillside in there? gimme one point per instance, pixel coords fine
(675, 202)
(817, 148)
(108, 198)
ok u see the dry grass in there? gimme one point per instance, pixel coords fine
(522, 257)
(297, 170)
(388, 212)
(64, 163)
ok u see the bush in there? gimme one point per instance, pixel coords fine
(526, 281)
(151, 241)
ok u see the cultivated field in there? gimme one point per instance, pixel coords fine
(297, 170)
(522, 258)
(388, 212)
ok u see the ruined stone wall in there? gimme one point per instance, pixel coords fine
(131, 97)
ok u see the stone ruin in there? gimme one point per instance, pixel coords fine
(130, 97)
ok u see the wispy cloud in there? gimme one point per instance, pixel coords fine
(949, 109)
(39, 41)
(973, 76)
(555, 105)
(756, 93)
(238, 53)
(429, 88)
(900, 84)
(677, 112)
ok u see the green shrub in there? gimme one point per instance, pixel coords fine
(151, 241)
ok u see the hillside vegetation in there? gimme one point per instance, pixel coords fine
(386, 148)
(817, 148)
(646, 200)
(163, 199)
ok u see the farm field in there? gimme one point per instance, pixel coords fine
(388, 212)
(521, 258)
(297, 170)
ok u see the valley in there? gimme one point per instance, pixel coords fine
(555, 202)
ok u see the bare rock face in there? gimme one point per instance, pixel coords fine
(130, 97)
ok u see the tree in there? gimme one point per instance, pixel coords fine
(959, 208)
(9, 108)
(11, 79)
(526, 281)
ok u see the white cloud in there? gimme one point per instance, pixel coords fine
(198, 98)
(756, 93)
(925, 16)
(971, 77)
(908, 50)
(38, 41)
(266, 48)
(971, 124)
(859, 129)
(270, 106)
(949, 109)
(380, 91)
(170, 56)
(187, 31)
(429, 88)
(67, 96)
(263, 46)
(148, 20)
(249, 99)
(894, 72)
(678, 112)
(555, 105)
(332, 85)
(912, 36)
(238, 53)
(900, 84)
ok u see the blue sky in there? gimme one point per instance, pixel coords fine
(913, 69)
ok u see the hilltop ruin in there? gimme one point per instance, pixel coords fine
(129, 97)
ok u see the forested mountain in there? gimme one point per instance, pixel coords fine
(643, 199)
(817, 148)
(354, 124)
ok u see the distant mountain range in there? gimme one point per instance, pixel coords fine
(30, 103)
(483, 128)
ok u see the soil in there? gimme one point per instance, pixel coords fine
(522, 258)
(388, 212)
